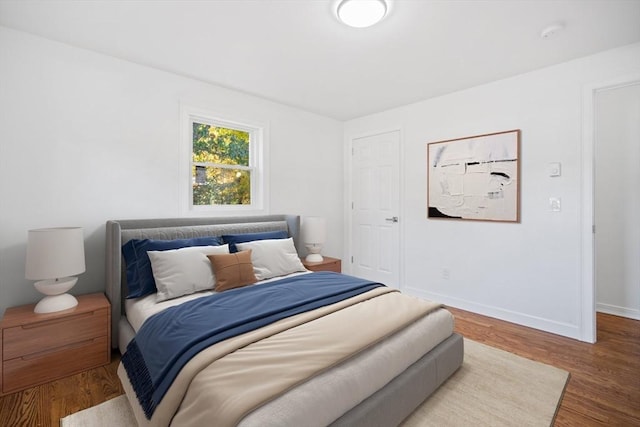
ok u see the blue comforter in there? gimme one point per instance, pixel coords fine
(168, 340)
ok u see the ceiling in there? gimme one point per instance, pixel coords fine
(295, 52)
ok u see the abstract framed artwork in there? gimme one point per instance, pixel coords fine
(475, 178)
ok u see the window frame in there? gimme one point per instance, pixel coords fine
(257, 166)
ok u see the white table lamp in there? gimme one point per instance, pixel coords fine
(54, 256)
(314, 234)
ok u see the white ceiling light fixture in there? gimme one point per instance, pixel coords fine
(361, 13)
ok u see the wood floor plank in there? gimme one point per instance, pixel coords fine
(24, 409)
(603, 389)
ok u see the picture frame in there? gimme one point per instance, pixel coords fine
(475, 178)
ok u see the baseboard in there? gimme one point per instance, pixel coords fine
(552, 326)
(630, 313)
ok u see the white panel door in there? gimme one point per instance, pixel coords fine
(375, 230)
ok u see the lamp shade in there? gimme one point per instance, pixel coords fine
(314, 230)
(54, 253)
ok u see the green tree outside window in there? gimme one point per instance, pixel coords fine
(221, 173)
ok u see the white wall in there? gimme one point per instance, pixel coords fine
(529, 273)
(617, 195)
(85, 138)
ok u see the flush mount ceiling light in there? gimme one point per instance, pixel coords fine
(361, 13)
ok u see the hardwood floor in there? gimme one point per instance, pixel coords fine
(43, 406)
(604, 388)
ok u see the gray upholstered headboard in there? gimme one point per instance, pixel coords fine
(120, 232)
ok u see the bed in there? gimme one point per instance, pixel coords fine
(358, 366)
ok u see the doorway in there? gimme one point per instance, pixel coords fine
(617, 200)
(587, 322)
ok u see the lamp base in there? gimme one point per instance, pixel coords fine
(313, 252)
(314, 258)
(55, 303)
(56, 299)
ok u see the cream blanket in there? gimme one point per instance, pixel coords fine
(228, 380)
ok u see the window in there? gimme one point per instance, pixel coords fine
(225, 166)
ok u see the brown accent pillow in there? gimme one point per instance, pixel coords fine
(232, 270)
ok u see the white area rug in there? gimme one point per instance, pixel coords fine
(494, 388)
(112, 413)
(491, 388)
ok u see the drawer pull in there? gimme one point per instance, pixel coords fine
(58, 349)
(61, 320)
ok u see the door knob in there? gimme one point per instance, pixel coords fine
(392, 219)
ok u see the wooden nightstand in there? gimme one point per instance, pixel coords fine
(38, 348)
(327, 264)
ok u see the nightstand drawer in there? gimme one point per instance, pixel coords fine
(42, 367)
(327, 264)
(40, 337)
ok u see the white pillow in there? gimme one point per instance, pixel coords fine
(183, 271)
(272, 258)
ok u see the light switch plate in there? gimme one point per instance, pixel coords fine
(555, 169)
(555, 204)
